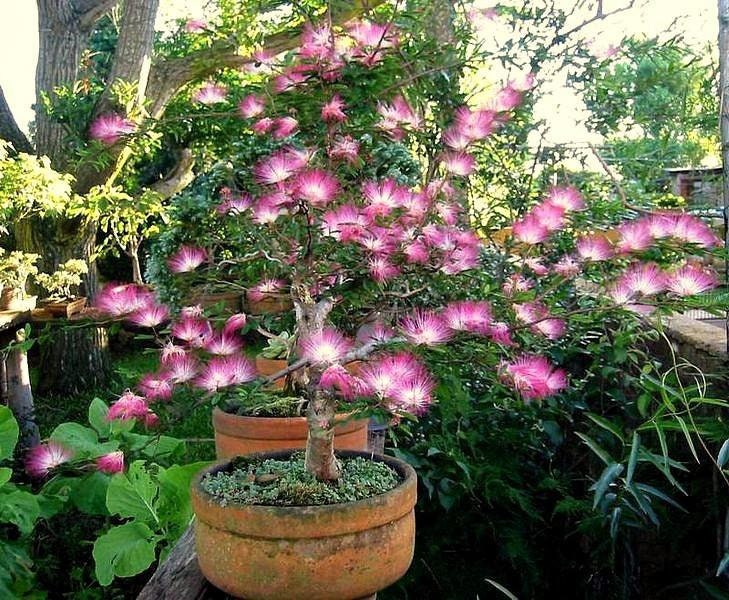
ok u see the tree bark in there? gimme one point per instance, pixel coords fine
(20, 396)
(9, 129)
(320, 460)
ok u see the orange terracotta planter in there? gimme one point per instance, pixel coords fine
(236, 435)
(337, 552)
(269, 366)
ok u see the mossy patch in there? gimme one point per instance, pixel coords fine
(274, 482)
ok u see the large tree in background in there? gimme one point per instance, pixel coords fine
(77, 358)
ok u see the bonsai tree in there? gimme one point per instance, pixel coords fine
(60, 283)
(357, 254)
(16, 268)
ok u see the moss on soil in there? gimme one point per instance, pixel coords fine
(286, 482)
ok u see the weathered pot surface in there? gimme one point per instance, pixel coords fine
(236, 435)
(335, 552)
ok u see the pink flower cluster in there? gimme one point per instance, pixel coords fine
(42, 460)
(108, 128)
(548, 216)
(134, 303)
(534, 377)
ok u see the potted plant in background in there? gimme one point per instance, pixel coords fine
(15, 269)
(61, 300)
(321, 524)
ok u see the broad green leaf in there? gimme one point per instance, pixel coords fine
(609, 474)
(174, 505)
(723, 454)
(5, 474)
(133, 494)
(19, 508)
(632, 461)
(75, 436)
(124, 551)
(162, 446)
(596, 448)
(8, 433)
(89, 495)
(97, 417)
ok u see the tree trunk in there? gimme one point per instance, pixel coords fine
(320, 459)
(80, 360)
(20, 396)
(133, 254)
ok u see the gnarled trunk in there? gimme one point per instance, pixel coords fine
(320, 459)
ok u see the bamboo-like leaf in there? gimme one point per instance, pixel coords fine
(633, 460)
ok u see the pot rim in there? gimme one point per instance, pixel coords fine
(268, 521)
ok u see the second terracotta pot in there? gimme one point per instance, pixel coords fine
(236, 435)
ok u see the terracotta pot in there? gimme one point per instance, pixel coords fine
(269, 366)
(65, 308)
(236, 435)
(270, 304)
(336, 552)
(230, 301)
(14, 299)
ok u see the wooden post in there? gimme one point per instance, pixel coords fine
(20, 396)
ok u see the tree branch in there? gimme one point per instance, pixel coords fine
(9, 129)
(90, 11)
(167, 77)
(180, 177)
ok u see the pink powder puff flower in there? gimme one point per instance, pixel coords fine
(694, 231)
(534, 377)
(149, 316)
(425, 327)
(413, 395)
(594, 247)
(458, 163)
(396, 113)
(524, 82)
(634, 236)
(156, 386)
(344, 223)
(530, 312)
(552, 329)
(460, 259)
(316, 186)
(644, 278)
(333, 111)
(108, 128)
(235, 205)
(506, 99)
(187, 259)
(324, 347)
(283, 127)
(383, 374)
(117, 300)
(536, 266)
(366, 33)
(42, 459)
(196, 26)
(567, 266)
(151, 420)
(417, 252)
(262, 126)
(193, 330)
(210, 93)
(474, 124)
(691, 279)
(386, 194)
(111, 463)
(456, 138)
(129, 406)
(381, 269)
(569, 198)
(337, 378)
(500, 333)
(288, 81)
(515, 284)
(235, 323)
(345, 148)
(251, 106)
(276, 168)
(182, 368)
(170, 350)
(223, 344)
(549, 214)
(188, 312)
(266, 288)
(530, 230)
(224, 371)
(468, 315)
(316, 42)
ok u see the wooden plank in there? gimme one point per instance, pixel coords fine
(13, 318)
(179, 577)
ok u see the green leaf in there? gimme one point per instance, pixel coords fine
(723, 454)
(124, 551)
(609, 474)
(8, 433)
(98, 410)
(174, 505)
(686, 433)
(162, 447)
(89, 495)
(19, 508)
(607, 425)
(615, 522)
(76, 437)
(596, 448)
(633, 460)
(723, 564)
(133, 494)
(5, 474)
